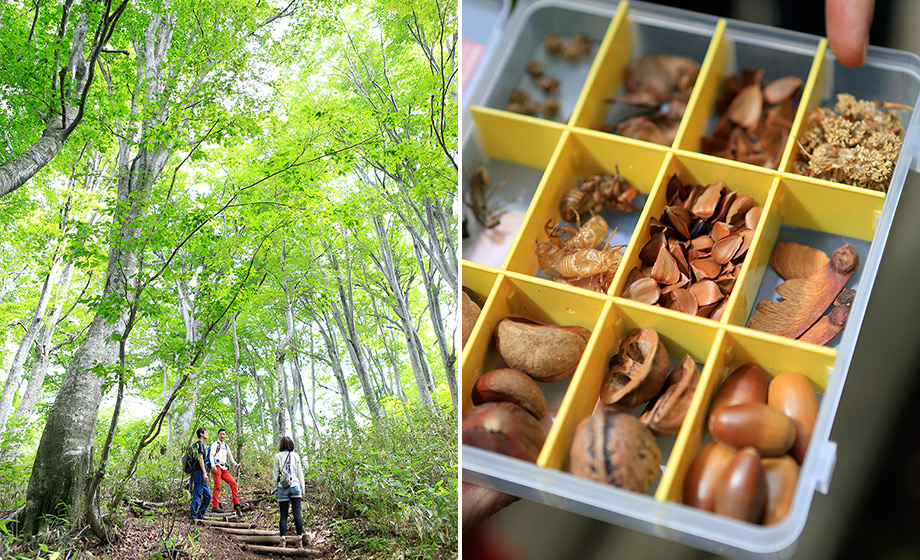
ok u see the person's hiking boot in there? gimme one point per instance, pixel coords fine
(216, 510)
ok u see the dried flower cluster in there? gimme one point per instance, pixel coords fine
(856, 143)
(696, 249)
(755, 120)
(523, 103)
(662, 84)
(580, 257)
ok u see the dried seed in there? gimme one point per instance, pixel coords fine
(794, 260)
(649, 252)
(535, 68)
(781, 89)
(719, 230)
(707, 292)
(665, 269)
(684, 301)
(705, 268)
(724, 249)
(752, 217)
(707, 201)
(805, 299)
(739, 208)
(644, 290)
(679, 218)
(745, 109)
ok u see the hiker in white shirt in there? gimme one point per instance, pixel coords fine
(219, 453)
(287, 461)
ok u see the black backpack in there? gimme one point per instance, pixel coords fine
(190, 459)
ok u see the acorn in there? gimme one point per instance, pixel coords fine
(756, 425)
(741, 491)
(793, 394)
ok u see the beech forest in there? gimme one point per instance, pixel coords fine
(238, 217)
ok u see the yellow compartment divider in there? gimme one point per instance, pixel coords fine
(581, 397)
(703, 98)
(690, 438)
(829, 207)
(654, 206)
(755, 262)
(520, 139)
(785, 354)
(811, 98)
(478, 355)
(607, 72)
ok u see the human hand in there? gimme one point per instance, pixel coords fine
(847, 23)
(480, 503)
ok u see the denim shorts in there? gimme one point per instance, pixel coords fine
(285, 494)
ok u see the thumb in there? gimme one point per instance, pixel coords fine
(847, 24)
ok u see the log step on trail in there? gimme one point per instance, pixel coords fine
(272, 540)
(233, 531)
(286, 551)
(230, 524)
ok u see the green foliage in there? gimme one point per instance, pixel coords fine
(397, 479)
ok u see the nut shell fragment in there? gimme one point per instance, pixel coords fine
(510, 385)
(665, 415)
(470, 314)
(615, 448)
(638, 372)
(504, 428)
(541, 351)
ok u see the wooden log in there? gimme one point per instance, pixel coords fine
(285, 551)
(214, 523)
(271, 540)
(231, 531)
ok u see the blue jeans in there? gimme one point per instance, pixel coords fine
(201, 495)
(285, 494)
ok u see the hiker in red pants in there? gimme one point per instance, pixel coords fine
(219, 452)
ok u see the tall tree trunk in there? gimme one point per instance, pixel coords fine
(417, 357)
(448, 356)
(344, 315)
(326, 329)
(74, 79)
(63, 454)
(237, 398)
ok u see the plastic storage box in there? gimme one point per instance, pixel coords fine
(533, 160)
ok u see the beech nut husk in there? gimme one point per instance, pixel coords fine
(742, 489)
(614, 447)
(756, 425)
(793, 394)
(664, 415)
(638, 372)
(504, 428)
(469, 315)
(510, 385)
(544, 352)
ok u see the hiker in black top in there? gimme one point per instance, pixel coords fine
(201, 495)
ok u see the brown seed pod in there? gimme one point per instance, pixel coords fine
(638, 372)
(544, 352)
(665, 415)
(504, 428)
(470, 314)
(781, 474)
(510, 385)
(741, 492)
(793, 394)
(746, 384)
(756, 425)
(704, 473)
(614, 447)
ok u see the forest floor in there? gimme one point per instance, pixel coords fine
(173, 535)
(168, 534)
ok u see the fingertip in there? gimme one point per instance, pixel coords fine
(847, 23)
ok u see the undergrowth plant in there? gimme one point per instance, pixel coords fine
(396, 479)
